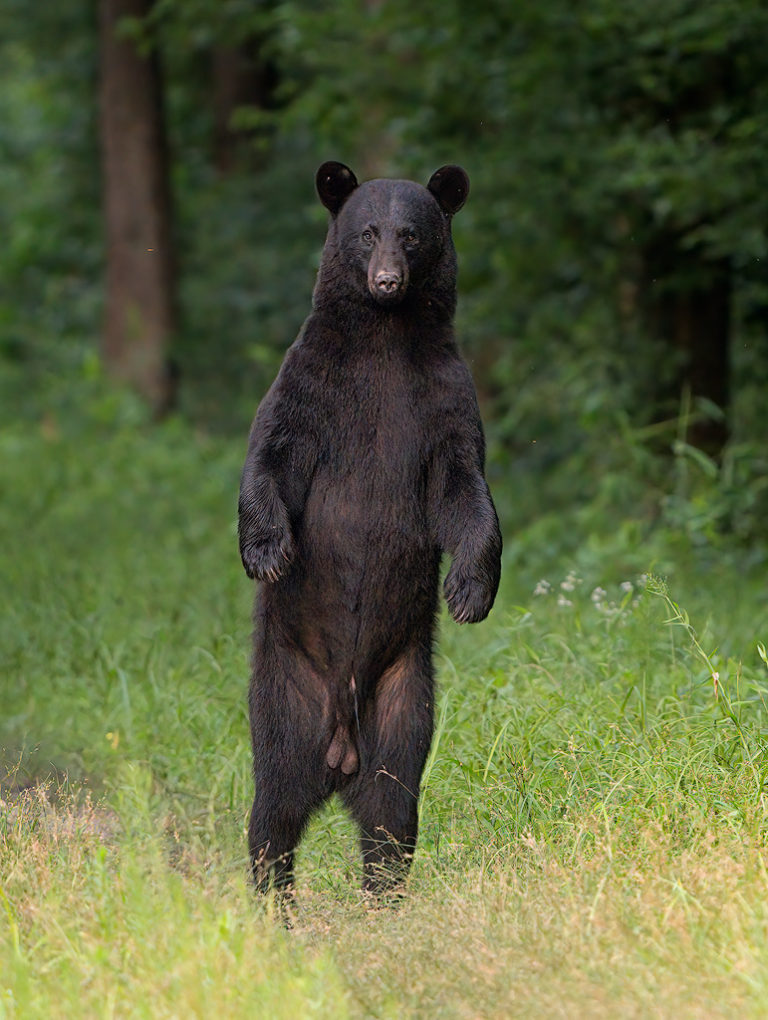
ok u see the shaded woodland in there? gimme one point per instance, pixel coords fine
(161, 229)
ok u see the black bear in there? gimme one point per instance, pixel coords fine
(365, 464)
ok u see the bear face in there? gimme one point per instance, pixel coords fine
(390, 239)
(393, 233)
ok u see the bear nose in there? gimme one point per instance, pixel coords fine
(388, 282)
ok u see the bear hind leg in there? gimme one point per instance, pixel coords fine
(272, 839)
(383, 798)
(289, 771)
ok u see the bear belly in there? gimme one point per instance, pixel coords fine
(365, 581)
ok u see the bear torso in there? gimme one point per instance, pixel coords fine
(370, 431)
(371, 409)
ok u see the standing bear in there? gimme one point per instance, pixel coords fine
(365, 464)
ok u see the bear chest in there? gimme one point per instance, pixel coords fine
(374, 427)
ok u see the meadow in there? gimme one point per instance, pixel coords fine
(593, 813)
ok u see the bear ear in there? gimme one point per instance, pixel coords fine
(450, 186)
(335, 183)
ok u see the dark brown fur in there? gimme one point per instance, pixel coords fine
(365, 465)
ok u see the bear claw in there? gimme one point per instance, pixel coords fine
(468, 599)
(268, 560)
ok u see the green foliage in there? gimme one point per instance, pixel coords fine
(692, 83)
(587, 133)
(50, 260)
(651, 124)
(594, 798)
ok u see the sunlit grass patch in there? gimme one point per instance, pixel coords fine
(116, 930)
(593, 814)
(652, 931)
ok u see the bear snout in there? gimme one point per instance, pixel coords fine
(387, 285)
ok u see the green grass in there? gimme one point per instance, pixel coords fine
(593, 814)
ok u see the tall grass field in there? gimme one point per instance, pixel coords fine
(593, 812)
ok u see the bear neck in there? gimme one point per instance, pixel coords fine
(416, 311)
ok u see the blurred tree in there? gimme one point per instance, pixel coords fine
(220, 56)
(140, 315)
(681, 92)
(244, 82)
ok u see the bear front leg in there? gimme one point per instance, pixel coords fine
(266, 542)
(463, 518)
(468, 529)
(473, 578)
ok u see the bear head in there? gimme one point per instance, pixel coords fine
(389, 241)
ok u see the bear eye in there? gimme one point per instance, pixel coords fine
(412, 241)
(367, 235)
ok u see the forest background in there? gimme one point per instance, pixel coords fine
(613, 277)
(595, 810)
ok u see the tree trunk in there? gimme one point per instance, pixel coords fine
(241, 77)
(689, 310)
(140, 314)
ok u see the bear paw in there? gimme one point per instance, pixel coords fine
(268, 559)
(469, 599)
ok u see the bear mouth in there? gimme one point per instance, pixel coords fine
(388, 300)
